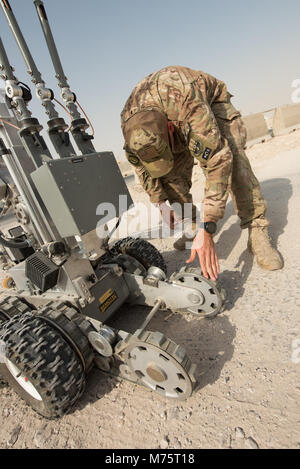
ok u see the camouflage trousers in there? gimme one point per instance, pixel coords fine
(244, 189)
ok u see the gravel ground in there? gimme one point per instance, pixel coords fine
(248, 358)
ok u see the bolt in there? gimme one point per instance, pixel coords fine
(82, 302)
(195, 299)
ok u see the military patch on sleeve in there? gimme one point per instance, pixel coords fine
(206, 153)
(198, 148)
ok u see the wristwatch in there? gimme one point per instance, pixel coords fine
(209, 226)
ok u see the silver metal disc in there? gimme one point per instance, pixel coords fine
(100, 344)
(160, 370)
(212, 297)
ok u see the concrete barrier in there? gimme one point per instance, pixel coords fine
(286, 119)
(257, 129)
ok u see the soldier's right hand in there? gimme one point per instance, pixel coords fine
(204, 246)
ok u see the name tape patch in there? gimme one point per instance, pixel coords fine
(206, 153)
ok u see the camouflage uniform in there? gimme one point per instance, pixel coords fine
(206, 127)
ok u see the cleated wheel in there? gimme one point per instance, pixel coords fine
(73, 327)
(141, 250)
(211, 297)
(11, 306)
(161, 365)
(41, 366)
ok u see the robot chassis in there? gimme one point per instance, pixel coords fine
(64, 282)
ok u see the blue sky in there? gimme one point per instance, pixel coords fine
(107, 46)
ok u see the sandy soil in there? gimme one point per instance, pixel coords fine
(248, 357)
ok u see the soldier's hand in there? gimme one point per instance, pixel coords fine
(167, 214)
(204, 247)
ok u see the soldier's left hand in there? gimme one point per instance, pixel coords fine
(204, 246)
(168, 215)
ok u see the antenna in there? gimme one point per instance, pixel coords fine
(56, 125)
(79, 124)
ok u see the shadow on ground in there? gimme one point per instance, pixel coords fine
(98, 385)
(3, 384)
(208, 343)
(277, 192)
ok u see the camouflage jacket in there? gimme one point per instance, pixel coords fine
(192, 101)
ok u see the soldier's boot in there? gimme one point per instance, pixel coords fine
(259, 244)
(188, 235)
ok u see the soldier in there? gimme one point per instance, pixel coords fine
(178, 114)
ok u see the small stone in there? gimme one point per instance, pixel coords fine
(226, 441)
(71, 444)
(239, 433)
(177, 443)
(164, 443)
(14, 436)
(41, 437)
(251, 443)
(6, 412)
(173, 413)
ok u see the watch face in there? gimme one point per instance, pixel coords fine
(210, 227)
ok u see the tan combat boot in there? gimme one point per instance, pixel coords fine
(189, 233)
(259, 244)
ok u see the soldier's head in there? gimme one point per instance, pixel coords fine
(147, 142)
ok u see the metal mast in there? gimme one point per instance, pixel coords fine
(29, 127)
(79, 124)
(56, 125)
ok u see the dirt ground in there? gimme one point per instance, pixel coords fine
(248, 357)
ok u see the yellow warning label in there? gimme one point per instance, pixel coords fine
(105, 295)
(107, 299)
